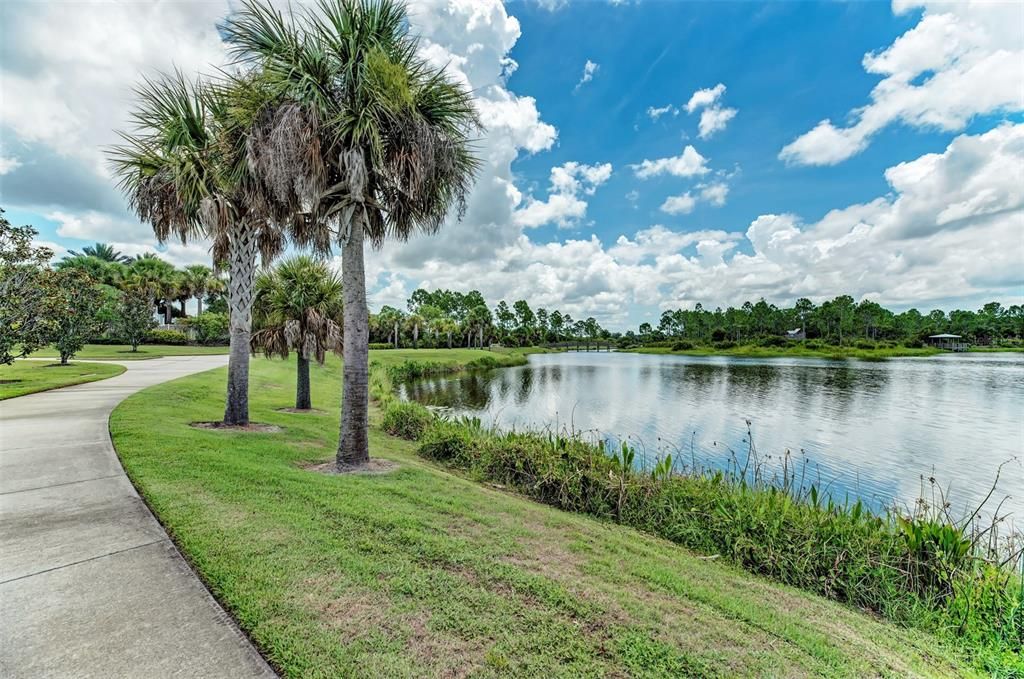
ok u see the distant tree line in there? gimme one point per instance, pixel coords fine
(448, 318)
(837, 321)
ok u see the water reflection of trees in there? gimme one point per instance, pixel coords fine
(472, 391)
(865, 426)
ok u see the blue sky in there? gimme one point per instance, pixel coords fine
(910, 195)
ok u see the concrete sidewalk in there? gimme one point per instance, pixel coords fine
(90, 584)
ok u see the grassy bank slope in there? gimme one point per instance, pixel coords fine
(123, 352)
(420, 572)
(28, 377)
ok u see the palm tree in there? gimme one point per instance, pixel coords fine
(365, 141)
(102, 252)
(478, 318)
(445, 326)
(107, 272)
(199, 280)
(157, 276)
(297, 307)
(390, 319)
(413, 322)
(184, 171)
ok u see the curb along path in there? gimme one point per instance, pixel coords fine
(90, 584)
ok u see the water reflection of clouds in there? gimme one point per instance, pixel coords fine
(873, 429)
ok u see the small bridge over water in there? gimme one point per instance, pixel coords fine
(582, 345)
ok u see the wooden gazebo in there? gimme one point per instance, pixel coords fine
(947, 342)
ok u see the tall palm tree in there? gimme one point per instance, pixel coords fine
(414, 322)
(297, 308)
(103, 252)
(184, 171)
(365, 141)
(446, 326)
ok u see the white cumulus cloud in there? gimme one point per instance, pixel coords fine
(679, 205)
(705, 97)
(564, 205)
(714, 116)
(959, 61)
(689, 163)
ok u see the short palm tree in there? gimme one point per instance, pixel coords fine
(365, 141)
(298, 308)
(106, 272)
(198, 280)
(157, 276)
(103, 252)
(183, 170)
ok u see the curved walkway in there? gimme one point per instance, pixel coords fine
(90, 584)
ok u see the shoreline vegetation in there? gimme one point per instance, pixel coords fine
(809, 349)
(923, 568)
(421, 572)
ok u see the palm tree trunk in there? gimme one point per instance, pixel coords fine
(199, 305)
(182, 303)
(302, 400)
(353, 443)
(242, 269)
(167, 311)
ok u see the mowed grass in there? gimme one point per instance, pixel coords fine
(420, 572)
(28, 377)
(123, 352)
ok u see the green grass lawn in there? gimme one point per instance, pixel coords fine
(420, 572)
(28, 377)
(123, 352)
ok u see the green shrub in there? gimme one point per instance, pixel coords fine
(682, 345)
(865, 344)
(381, 345)
(406, 420)
(913, 344)
(210, 327)
(724, 344)
(166, 337)
(483, 363)
(773, 341)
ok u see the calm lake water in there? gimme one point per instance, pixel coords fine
(867, 429)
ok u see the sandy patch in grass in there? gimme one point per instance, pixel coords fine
(376, 465)
(252, 427)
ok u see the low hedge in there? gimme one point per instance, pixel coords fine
(166, 337)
